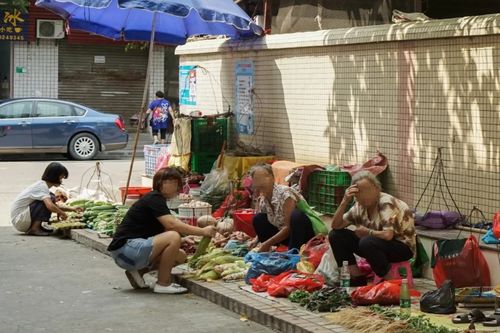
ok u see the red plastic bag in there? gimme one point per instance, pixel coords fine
(461, 261)
(496, 225)
(285, 283)
(385, 293)
(261, 283)
(375, 165)
(364, 267)
(314, 250)
(236, 200)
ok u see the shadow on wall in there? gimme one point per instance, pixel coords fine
(273, 131)
(417, 97)
(308, 15)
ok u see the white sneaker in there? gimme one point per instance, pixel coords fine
(173, 288)
(136, 280)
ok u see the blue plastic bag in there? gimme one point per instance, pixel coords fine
(489, 238)
(271, 263)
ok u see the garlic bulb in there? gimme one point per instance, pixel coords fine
(206, 220)
(225, 226)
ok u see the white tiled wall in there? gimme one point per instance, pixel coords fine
(40, 61)
(339, 96)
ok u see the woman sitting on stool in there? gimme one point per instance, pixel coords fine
(384, 229)
(278, 221)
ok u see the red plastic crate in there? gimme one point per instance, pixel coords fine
(243, 221)
(189, 220)
(141, 191)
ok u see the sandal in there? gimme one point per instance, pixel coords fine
(492, 321)
(475, 316)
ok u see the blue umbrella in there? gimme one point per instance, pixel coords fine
(161, 21)
(175, 20)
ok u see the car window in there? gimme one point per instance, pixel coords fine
(20, 109)
(53, 109)
(79, 111)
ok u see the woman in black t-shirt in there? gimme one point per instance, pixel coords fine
(149, 237)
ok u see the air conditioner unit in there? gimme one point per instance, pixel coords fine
(51, 29)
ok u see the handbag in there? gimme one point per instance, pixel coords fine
(438, 219)
(461, 261)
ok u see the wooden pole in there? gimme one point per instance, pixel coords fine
(143, 105)
(268, 16)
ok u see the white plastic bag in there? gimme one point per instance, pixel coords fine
(328, 268)
(215, 187)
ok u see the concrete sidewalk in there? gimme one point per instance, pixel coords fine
(50, 285)
(276, 313)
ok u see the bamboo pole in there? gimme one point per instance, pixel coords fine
(143, 105)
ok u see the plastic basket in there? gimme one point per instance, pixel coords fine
(189, 220)
(326, 190)
(243, 221)
(203, 162)
(139, 191)
(208, 135)
(176, 202)
(151, 154)
(185, 212)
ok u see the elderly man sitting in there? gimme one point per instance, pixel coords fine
(384, 229)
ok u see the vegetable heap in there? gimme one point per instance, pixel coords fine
(414, 324)
(327, 299)
(101, 216)
(217, 264)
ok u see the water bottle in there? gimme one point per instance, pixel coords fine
(404, 298)
(345, 276)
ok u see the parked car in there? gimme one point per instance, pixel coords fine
(43, 125)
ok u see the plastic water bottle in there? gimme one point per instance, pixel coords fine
(404, 298)
(345, 276)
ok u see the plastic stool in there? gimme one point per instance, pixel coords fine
(395, 273)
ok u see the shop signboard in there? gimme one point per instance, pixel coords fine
(13, 25)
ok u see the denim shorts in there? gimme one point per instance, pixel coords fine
(134, 255)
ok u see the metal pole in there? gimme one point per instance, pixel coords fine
(143, 105)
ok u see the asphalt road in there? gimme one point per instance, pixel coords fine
(16, 175)
(49, 285)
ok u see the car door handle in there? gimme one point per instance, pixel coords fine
(24, 123)
(69, 121)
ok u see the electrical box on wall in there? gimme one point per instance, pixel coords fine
(50, 29)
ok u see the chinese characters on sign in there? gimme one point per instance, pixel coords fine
(187, 85)
(244, 100)
(13, 25)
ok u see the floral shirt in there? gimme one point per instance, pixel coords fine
(274, 209)
(389, 208)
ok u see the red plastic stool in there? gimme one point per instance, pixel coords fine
(395, 273)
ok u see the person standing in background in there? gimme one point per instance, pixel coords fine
(161, 117)
(5, 91)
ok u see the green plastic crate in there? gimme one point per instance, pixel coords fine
(326, 190)
(202, 162)
(208, 135)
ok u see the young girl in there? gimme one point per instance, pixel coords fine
(35, 204)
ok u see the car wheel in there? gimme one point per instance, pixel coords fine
(83, 146)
